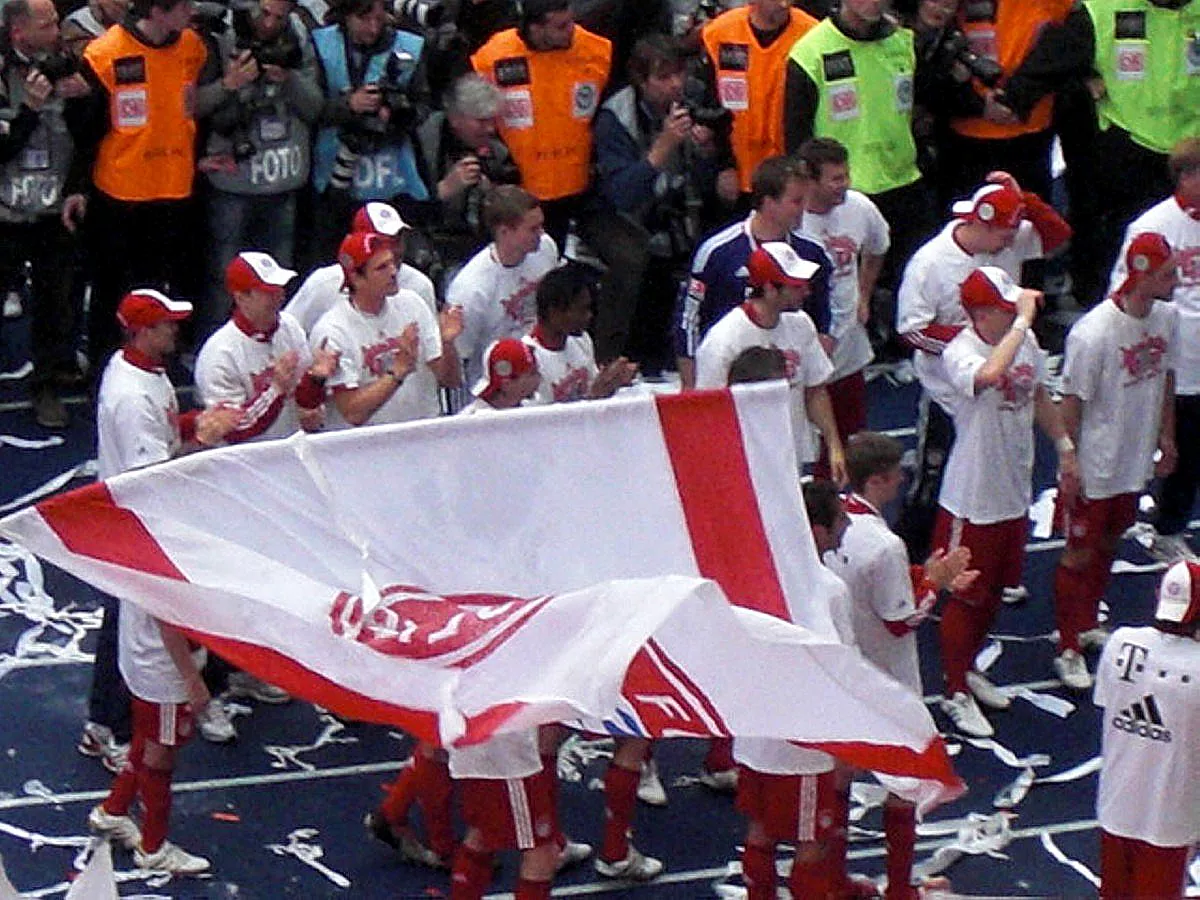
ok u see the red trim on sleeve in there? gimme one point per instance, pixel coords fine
(1051, 227)
(933, 338)
(187, 426)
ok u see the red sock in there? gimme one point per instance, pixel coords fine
(814, 880)
(836, 837)
(620, 800)
(900, 835)
(532, 890)
(958, 645)
(124, 786)
(400, 796)
(434, 792)
(154, 786)
(472, 874)
(720, 755)
(758, 871)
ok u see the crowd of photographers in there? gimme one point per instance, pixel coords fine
(147, 144)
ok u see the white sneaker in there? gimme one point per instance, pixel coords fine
(97, 741)
(572, 854)
(118, 829)
(986, 692)
(215, 724)
(723, 782)
(1012, 595)
(1072, 670)
(245, 685)
(1094, 638)
(965, 714)
(650, 788)
(13, 308)
(171, 859)
(1170, 548)
(634, 867)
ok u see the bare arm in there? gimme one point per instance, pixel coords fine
(357, 405)
(1051, 420)
(1166, 430)
(181, 654)
(869, 267)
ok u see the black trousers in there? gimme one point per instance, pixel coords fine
(1177, 495)
(50, 252)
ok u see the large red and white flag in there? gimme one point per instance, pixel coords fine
(635, 564)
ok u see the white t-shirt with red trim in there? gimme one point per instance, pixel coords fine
(874, 564)
(367, 344)
(989, 475)
(849, 230)
(929, 295)
(1148, 683)
(498, 301)
(1117, 365)
(567, 373)
(236, 367)
(794, 335)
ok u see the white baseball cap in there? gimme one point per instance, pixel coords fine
(251, 270)
(1179, 594)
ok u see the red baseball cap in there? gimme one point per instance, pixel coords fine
(989, 286)
(1146, 254)
(358, 247)
(145, 308)
(777, 263)
(250, 271)
(380, 218)
(503, 361)
(993, 204)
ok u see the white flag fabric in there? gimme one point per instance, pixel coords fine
(97, 881)
(465, 576)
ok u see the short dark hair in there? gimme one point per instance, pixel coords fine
(871, 453)
(559, 288)
(506, 204)
(651, 55)
(757, 364)
(13, 11)
(821, 501)
(140, 9)
(822, 151)
(532, 12)
(1184, 158)
(773, 176)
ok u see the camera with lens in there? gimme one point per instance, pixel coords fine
(424, 13)
(58, 65)
(368, 132)
(955, 48)
(282, 50)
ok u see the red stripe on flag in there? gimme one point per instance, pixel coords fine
(933, 762)
(704, 442)
(280, 670)
(89, 522)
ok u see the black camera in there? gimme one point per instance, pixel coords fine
(425, 13)
(282, 50)
(58, 65)
(956, 48)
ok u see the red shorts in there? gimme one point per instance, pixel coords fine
(848, 396)
(1092, 523)
(513, 813)
(997, 551)
(169, 724)
(789, 807)
(1130, 868)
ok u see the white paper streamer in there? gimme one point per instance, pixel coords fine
(1124, 567)
(1014, 792)
(1074, 773)
(1041, 513)
(986, 658)
(575, 754)
(12, 440)
(1057, 706)
(975, 835)
(18, 373)
(285, 755)
(83, 470)
(1006, 756)
(1059, 856)
(310, 854)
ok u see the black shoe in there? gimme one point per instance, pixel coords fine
(48, 410)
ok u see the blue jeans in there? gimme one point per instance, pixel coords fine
(238, 222)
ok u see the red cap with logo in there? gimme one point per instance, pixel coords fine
(503, 361)
(254, 271)
(1146, 254)
(380, 218)
(145, 308)
(358, 247)
(993, 204)
(777, 263)
(1179, 594)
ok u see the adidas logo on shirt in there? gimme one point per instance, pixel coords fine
(1143, 720)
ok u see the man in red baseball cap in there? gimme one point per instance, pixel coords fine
(510, 377)
(1119, 407)
(393, 352)
(138, 424)
(323, 288)
(996, 369)
(1000, 225)
(778, 279)
(1148, 801)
